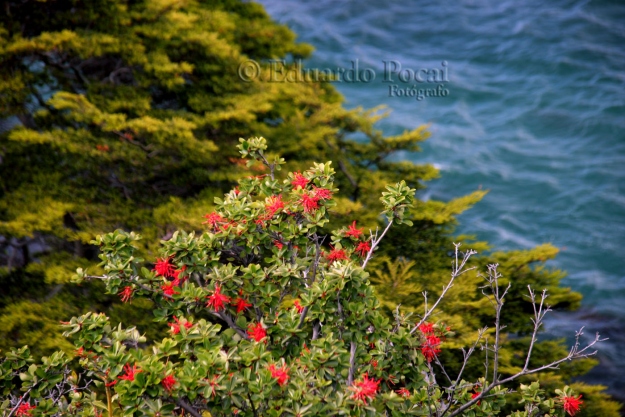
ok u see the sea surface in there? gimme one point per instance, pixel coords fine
(534, 111)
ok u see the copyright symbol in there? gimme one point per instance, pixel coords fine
(249, 70)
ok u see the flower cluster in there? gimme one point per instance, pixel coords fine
(365, 389)
(571, 404)
(280, 374)
(430, 347)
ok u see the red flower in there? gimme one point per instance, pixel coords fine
(168, 289)
(430, 347)
(363, 249)
(217, 301)
(164, 267)
(130, 372)
(212, 219)
(241, 304)
(274, 205)
(309, 203)
(281, 374)
(298, 306)
(336, 255)
(571, 404)
(299, 180)
(427, 328)
(365, 389)
(24, 410)
(475, 395)
(177, 273)
(126, 294)
(353, 232)
(322, 193)
(278, 244)
(175, 327)
(80, 352)
(256, 332)
(110, 384)
(168, 382)
(403, 392)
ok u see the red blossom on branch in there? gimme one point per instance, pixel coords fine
(256, 332)
(241, 304)
(366, 389)
(403, 392)
(278, 244)
(352, 231)
(363, 249)
(571, 404)
(322, 193)
(25, 410)
(217, 301)
(164, 267)
(430, 347)
(213, 219)
(126, 293)
(168, 383)
(168, 289)
(299, 180)
(177, 273)
(336, 255)
(298, 306)
(175, 327)
(309, 203)
(427, 328)
(130, 372)
(281, 374)
(274, 205)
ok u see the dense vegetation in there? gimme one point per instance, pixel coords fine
(124, 115)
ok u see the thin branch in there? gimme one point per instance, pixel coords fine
(457, 270)
(188, 407)
(352, 363)
(375, 240)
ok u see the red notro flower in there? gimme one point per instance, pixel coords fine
(278, 244)
(213, 219)
(309, 203)
(274, 205)
(168, 383)
(571, 404)
(365, 389)
(299, 180)
(241, 304)
(298, 306)
(217, 301)
(130, 372)
(175, 327)
(322, 193)
(164, 267)
(363, 249)
(403, 392)
(427, 328)
(256, 332)
(24, 410)
(336, 255)
(281, 374)
(168, 289)
(177, 273)
(352, 231)
(126, 294)
(430, 347)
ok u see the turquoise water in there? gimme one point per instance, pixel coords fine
(535, 112)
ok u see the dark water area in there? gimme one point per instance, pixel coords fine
(534, 112)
